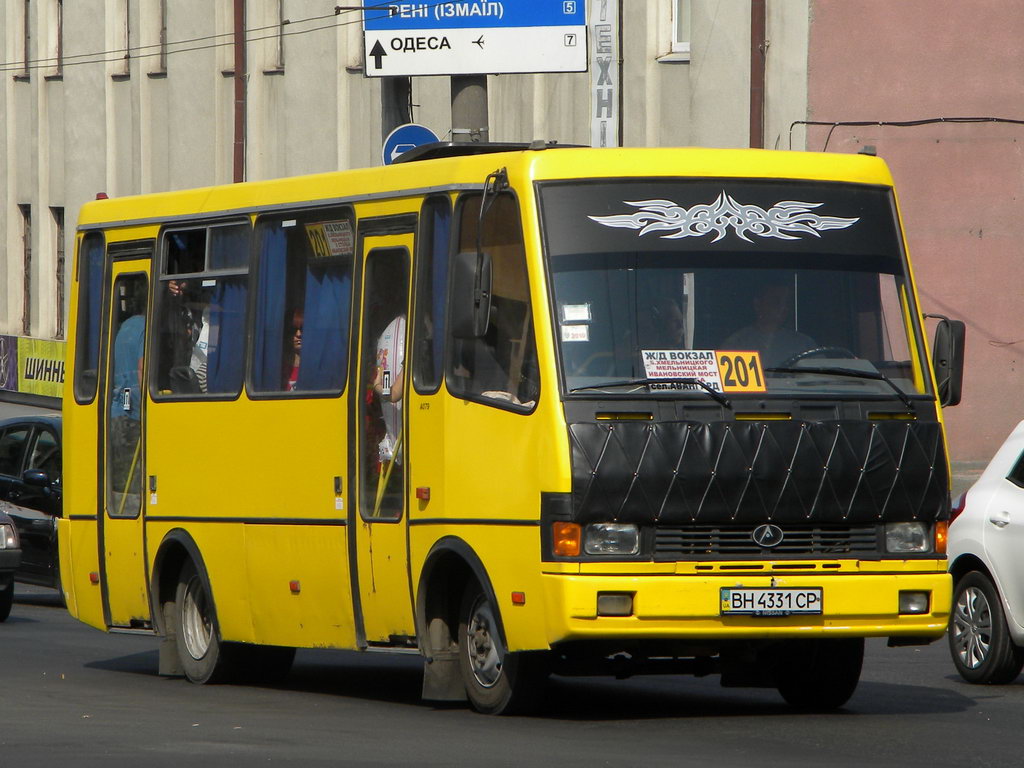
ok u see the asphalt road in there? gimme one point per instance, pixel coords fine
(75, 696)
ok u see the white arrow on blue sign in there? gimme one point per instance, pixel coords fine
(465, 37)
(404, 138)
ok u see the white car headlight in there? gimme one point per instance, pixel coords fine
(8, 537)
(611, 539)
(907, 538)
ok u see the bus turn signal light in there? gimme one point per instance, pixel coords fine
(941, 535)
(566, 539)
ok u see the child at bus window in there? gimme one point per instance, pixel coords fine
(293, 355)
(180, 328)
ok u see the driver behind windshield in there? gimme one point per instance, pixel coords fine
(772, 333)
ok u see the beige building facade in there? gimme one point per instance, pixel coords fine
(133, 96)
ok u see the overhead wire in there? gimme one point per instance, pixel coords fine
(169, 48)
(833, 124)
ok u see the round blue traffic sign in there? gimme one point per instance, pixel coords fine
(404, 138)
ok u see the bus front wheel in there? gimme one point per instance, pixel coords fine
(497, 682)
(199, 648)
(820, 674)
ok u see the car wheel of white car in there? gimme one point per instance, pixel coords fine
(979, 641)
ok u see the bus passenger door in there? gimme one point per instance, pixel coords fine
(378, 525)
(122, 529)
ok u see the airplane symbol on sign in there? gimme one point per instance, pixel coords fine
(479, 41)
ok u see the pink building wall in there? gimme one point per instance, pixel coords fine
(960, 186)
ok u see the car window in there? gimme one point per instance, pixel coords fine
(1016, 475)
(46, 454)
(12, 449)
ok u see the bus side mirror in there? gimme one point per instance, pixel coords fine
(471, 295)
(948, 359)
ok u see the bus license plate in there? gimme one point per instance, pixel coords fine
(770, 602)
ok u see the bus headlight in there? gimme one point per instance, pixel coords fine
(611, 539)
(8, 537)
(907, 537)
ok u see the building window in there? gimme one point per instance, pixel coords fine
(122, 42)
(58, 224)
(679, 48)
(273, 49)
(55, 42)
(26, 240)
(25, 54)
(154, 28)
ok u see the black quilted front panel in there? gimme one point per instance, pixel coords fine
(677, 473)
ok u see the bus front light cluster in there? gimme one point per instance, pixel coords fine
(8, 537)
(907, 538)
(611, 539)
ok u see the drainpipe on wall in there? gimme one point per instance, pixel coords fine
(758, 46)
(240, 106)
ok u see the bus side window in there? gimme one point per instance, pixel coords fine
(431, 282)
(90, 294)
(303, 299)
(200, 313)
(500, 367)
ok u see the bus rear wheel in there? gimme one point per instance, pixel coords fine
(200, 651)
(820, 674)
(497, 682)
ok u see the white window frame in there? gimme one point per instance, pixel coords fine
(679, 48)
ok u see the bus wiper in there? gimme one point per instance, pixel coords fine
(717, 396)
(873, 375)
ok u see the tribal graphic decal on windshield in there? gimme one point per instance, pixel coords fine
(786, 220)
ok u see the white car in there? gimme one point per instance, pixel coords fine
(986, 559)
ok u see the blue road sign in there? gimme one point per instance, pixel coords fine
(458, 37)
(404, 138)
(473, 14)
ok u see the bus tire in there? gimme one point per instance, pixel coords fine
(203, 658)
(979, 641)
(6, 600)
(497, 682)
(820, 674)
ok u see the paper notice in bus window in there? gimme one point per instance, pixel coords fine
(330, 239)
(575, 333)
(576, 313)
(698, 364)
(722, 370)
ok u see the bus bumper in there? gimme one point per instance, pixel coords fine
(687, 607)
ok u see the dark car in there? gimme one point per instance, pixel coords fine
(10, 557)
(30, 480)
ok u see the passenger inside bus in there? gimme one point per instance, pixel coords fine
(293, 355)
(772, 332)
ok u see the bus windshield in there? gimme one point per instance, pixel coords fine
(779, 288)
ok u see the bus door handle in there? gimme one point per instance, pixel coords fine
(1000, 519)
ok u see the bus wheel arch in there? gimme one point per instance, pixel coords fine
(185, 613)
(463, 637)
(450, 565)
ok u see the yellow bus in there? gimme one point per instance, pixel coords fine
(526, 409)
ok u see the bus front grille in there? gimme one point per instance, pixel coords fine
(672, 542)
